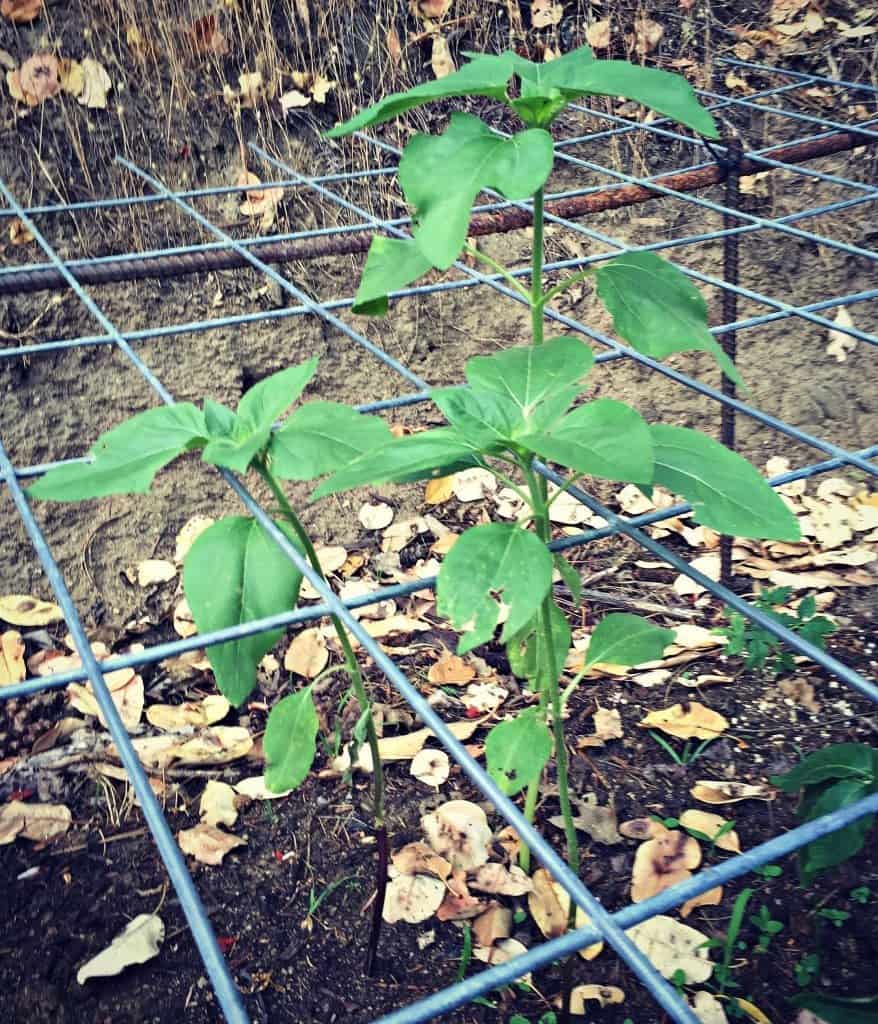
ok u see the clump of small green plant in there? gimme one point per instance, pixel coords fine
(234, 571)
(827, 780)
(763, 650)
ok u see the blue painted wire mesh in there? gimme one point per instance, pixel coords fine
(776, 101)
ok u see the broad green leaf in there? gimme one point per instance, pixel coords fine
(487, 565)
(666, 93)
(657, 309)
(603, 438)
(219, 419)
(441, 175)
(485, 75)
(725, 491)
(487, 420)
(127, 458)
(321, 437)
(517, 750)
(290, 741)
(548, 87)
(570, 576)
(837, 1009)
(392, 263)
(838, 846)
(526, 650)
(421, 456)
(838, 761)
(541, 380)
(265, 401)
(234, 573)
(257, 411)
(623, 639)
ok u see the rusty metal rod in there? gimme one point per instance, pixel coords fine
(163, 266)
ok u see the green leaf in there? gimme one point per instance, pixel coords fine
(526, 650)
(570, 576)
(257, 411)
(322, 437)
(725, 491)
(657, 309)
(603, 438)
(838, 761)
(838, 1010)
(127, 458)
(220, 420)
(421, 456)
(265, 401)
(485, 419)
(489, 564)
(517, 750)
(542, 380)
(392, 264)
(666, 93)
(623, 639)
(234, 573)
(290, 741)
(844, 843)
(441, 175)
(485, 75)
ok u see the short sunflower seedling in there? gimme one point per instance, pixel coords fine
(234, 571)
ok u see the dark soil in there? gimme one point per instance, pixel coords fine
(105, 871)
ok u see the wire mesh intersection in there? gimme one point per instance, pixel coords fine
(609, 927)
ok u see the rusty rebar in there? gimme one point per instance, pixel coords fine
(47, 278)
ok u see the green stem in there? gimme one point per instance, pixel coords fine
(499, 268)
(568, 282)
(351, 663)
(536, 281)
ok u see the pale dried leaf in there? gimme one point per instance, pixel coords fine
(801, 692)
(708, 1009)
(293, 99)
(128, 699)
(458, 830)
(431, 767)
(169, 717)
(598, 822)
(412, 898)
(189, 533)
(38, 78)
(216, 745)
(686, 721)
(497, 879)
(501, 952)
(710, 824)
(439, 490)
(451, 669)
(208, 845)
(492, 925)
(96, 85)
(419, 859)
(217, 805)
(597, 35)
(12, 666)
(255, 788)
(473, 484)
(20, 12)
(461, 906)
(484, 698)
(37, 822)
(604, 995)
(138, 942)
(23, 610)
(440, 58)
(545, 13)
(375, 516)
(672, 947)
(647, 35)
(841, 344)
(155, 570)
(711, 898)
(722, 792)
(307, 654)
(184, 623)
(19, 234)
(662, 862)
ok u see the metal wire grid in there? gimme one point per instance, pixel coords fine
(605, 926)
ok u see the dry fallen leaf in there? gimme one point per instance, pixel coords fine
(37, 822)
(128, 698)
(189, 533)
(37, 79)
(643, 828)
(545, 13)
(686, 721)
(375, 516)
(205, 36)
(499, 880)
(412, 898)
(431, 767)
(598, 822)
(605, 995)
(607, 726)
(19, 234)
(96, 85)
(215, 745)
(483, 698)
(662, 862)
(168, 717)
(419, 859)
(20, 12)
(709, 825)
(155, 570)
(217, 804)
(473, 484)
(184, 623)
(255, 788)
(672, 947)
(399, 748)
(647, 34)
(461, 905)
(840, 343)
(597, 35)
(208, 845)
(459, 831)
(549, 906)
(439, 490)
(711, 898)
(450, 669)
(23, 610)
(12, 667)
(720, 792)
(440, 58)
(501, 952)
(307, 654)
(138, 942)
(801, 692)
(708, 1009)
(492, 925)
